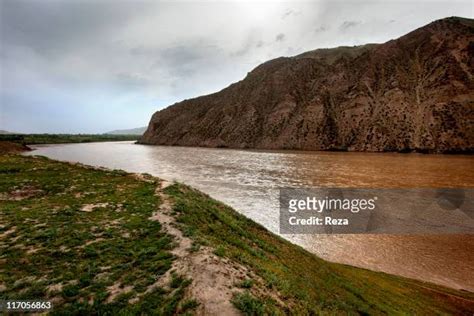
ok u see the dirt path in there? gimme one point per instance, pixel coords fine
(213, 278)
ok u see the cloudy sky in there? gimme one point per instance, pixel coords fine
(92, 66)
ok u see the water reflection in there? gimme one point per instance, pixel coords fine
(248, 180)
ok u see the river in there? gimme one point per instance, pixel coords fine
(248, 180)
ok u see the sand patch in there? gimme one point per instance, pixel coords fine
(31, 250)
(144, 177)
(8, 232)
(90, 242)
(55, 288)
(90, 207)
(22, 193)
(116, 289)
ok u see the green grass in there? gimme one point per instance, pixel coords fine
(308, 284)
(189, 305)
(32, 139)
(56, 251)
(52, 249)
(246, 284)
(248, 304)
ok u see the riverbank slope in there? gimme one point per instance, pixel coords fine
(12, 147)
(107, 241)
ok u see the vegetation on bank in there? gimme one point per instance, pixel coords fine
(308, 285)
(12, 147)
(32, 139)
(82, 237)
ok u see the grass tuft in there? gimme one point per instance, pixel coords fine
(248, 304)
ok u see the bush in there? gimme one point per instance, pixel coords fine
(220, 251)
(246, 284)
(189, 304)
(248, 304)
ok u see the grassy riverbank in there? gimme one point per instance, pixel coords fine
(87, 239)
(81, 237)
(12, 147)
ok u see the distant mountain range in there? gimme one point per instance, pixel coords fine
(2, 132)
(415, 93)
(132, 131)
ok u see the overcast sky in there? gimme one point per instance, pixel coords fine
(94, 66)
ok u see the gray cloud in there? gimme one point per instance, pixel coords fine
(180, 55)
(188, 59)
(250, 42)
(320, 29)
(95, 65)
(349, 24)
(131, 80)
(280, 37)
(289, 13)
(54, 27)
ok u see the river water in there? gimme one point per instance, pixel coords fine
(248, 180)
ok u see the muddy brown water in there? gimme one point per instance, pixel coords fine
(248, 180)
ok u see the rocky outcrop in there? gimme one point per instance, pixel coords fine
(415, 93)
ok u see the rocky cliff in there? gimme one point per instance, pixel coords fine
(415, 93)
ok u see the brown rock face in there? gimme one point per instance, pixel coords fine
(415, 93)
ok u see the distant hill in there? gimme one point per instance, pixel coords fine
(2, 132)
(132, 131)
(414, 93)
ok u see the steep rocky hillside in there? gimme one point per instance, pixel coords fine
(415, 93)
